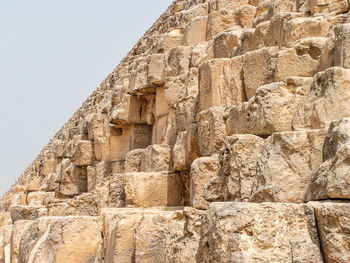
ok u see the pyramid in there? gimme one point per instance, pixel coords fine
(222, 137)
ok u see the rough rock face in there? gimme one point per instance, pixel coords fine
(223, 136)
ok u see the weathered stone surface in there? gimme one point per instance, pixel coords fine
(84, 154)
(211, 130)
(246, 232)
(224, 42)
(18, 228)
(219, 101)
(304, 27)
(274, 106)
(30, 236)
(331, 6)
(156, 158)
(76, 239)
(196, 31)
(331, 180)
(341, 46)
(203, 171)
(27, 212)
(153, 189)
(289, 161)
(305, 54)
(259, 69)
(156, 69)
(133, 160)
(239, 165)
(328, 99)
(186, 149)
(333, 228)
(151, 235)
(221, 83)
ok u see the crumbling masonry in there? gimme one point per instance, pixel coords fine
(223, 136)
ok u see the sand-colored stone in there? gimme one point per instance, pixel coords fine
(219, 101)
(153, 189)
(269, 232)
(203, 171)
(211, 130)
(76, 239)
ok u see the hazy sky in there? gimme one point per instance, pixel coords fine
(53, 54)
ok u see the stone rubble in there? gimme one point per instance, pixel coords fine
(221, 137)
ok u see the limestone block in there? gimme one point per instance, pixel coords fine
(149, 235)
(116, 194)
(169, 40)
(274, 106)
(215, 5)
(240, 162)
(186, 149)
(281, 6)
(98, 126)
(304, 55)
(342, 45)
(252, 39)
(237, 119)
(40, 198)
(259, 69)
(304, 27)
(331, 179)
(185, 113)
(203, 171)
(48, 166)
(7, 253)
(192, 83)
(153, 189)
(162, 108)
(196, 31)
(156, 69)
(246, 14)
(133, 160)
(5, 218)
(289, 161)
(328, 6)
(175, 89)
(224, 42)
(5, 243)
(275, 32)
(84, 153)
(333, 227)
(96, 174)
(73, 180)
(221, 83)
(178, 61)
(156, 158)
(2, 259)
(328, 99)
(138, 75)
(221, 20)
(248, 232)
(27, 212)
(18, 228)
(33, 182)
(200, 53)
(159, 130)
(76, 239)
(211, 130)
(31, 235)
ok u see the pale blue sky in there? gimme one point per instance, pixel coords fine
(53, 54)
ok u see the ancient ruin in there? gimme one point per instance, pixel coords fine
(223, 136)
